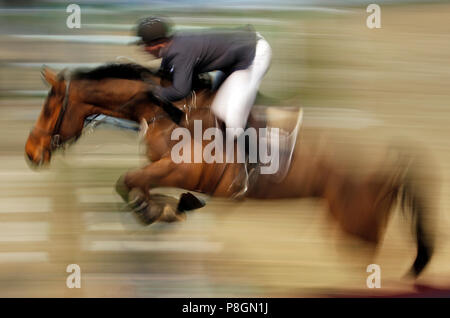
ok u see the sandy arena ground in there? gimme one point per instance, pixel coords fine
(396, 78)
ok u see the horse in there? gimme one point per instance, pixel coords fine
(359, 199)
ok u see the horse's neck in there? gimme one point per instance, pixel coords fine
(126, 99)
(109, 95)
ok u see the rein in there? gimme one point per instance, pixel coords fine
(157, 117)
(56, 136)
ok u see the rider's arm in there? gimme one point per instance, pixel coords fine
(183, 68)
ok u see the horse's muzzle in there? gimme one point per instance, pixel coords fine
(38, 158)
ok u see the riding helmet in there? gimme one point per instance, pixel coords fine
(152, 28)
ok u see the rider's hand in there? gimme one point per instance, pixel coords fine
(153, 91)
(151, 88)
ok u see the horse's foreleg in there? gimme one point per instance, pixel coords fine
(135, 186)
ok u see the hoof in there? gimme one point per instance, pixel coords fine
(122, 189)
(136, 200)
(149, 214)
(170, 214)
(189, 202)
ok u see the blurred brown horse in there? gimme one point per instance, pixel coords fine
(359, 197)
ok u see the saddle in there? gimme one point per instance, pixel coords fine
(288, 120)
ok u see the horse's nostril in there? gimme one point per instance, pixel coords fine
(30, 157)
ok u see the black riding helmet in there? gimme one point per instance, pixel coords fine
(152, 29)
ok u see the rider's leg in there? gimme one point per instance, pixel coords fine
(235, 97)
(284, 141)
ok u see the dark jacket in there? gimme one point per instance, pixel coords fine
(190, 54)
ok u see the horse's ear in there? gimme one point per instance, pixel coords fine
(49, 76)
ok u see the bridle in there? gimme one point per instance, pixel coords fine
(55, 135)
(56, 140)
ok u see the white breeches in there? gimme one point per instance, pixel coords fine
(236, 95)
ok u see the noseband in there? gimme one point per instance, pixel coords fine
(55, 135)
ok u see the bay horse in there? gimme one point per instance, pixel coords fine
(359, 199)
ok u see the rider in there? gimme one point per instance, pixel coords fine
(242, 55)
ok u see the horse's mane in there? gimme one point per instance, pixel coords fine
(133, 71)
(130, 71)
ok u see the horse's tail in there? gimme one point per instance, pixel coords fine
(425, 245)
(415, 198)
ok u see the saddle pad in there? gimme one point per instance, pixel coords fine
(285, 118)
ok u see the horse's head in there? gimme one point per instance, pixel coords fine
(116, 90)
(52, 129)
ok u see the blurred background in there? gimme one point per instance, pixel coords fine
(395, 78)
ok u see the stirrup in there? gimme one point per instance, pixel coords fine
(241, 193)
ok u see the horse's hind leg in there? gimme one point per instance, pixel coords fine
(362, 208)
